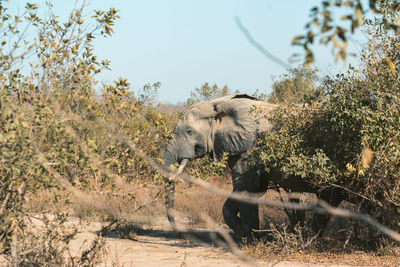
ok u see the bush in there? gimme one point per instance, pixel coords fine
(348, 136)
(55, 133)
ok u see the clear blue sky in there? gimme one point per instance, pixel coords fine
(185, 43)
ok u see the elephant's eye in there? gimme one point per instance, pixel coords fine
(189, 132)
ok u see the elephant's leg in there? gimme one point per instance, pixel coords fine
(230, 211)
(295, 216)
(246, 179)
(319, 222)
(249, 218)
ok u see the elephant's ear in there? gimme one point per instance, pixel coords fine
(234, 128)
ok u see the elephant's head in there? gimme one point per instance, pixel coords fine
(214, 127)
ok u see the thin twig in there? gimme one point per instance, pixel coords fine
(258, 46)
(230, 242)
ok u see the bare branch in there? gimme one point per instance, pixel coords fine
(258, 46)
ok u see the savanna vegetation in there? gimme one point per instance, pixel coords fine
(344, 133)
(65, 149)
(58, 135)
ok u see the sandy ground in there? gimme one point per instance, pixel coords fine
(161, 247)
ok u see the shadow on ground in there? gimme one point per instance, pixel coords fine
(192, 238)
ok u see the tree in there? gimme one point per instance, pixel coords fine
(294, 86)
(206, 92)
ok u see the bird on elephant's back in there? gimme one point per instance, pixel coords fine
(231, 125)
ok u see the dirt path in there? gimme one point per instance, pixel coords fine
(162, 248)
(159, 249)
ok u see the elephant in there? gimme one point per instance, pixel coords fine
(228, 125)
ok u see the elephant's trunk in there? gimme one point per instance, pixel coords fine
(170, 155)
(170, 190)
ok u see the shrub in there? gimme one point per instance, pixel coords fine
(54, 131)
(348, 136)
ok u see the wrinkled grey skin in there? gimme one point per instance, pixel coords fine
(227, 125)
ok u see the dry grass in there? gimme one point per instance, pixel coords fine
(51, 240)
(126, 203)
(356, 258)
(341, 243)
(193, 200)
(130, 208)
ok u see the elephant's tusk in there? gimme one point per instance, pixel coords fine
(180, 170)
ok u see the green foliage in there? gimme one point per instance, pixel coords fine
(54, 130)
(207, 93)
(324, 27)
(294, 87)
(207, 167)
(348, 137)
(139, 121)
